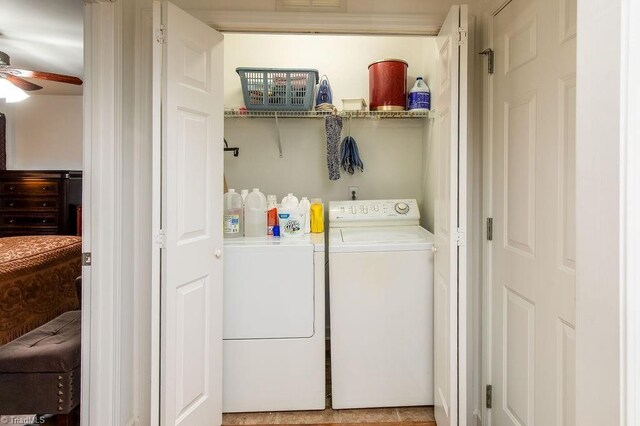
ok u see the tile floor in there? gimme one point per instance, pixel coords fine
(412, 415)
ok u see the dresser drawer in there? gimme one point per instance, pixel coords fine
(27, 219)
(30, 187)
(17, 232)
(33, 204)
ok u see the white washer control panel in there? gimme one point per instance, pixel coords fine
(368, 212)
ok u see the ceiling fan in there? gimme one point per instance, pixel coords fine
(15, 75)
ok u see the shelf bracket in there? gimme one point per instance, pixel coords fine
(278, 134)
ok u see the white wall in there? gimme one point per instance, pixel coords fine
(600, 374)
(392, 150)
(45, 132)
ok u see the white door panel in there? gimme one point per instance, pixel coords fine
(191, 192)
(533, 209)
(451, 124)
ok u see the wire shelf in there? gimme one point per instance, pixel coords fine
(234, 113)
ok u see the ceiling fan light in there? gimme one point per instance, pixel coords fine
(17, 97)
(10, 92)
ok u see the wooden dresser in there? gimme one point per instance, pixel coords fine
(39, 202)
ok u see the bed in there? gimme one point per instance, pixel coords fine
(37, 281)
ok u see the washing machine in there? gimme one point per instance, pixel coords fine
(381, 304)
(274, 324)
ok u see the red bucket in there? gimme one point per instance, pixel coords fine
(388, 85)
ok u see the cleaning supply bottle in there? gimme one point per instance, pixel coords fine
(290, 217)
(232, 216)
(255, 214)
(290, 201)
(243, 194)
(305, 207)
(317, 216)
(420, 96)
(272, 213)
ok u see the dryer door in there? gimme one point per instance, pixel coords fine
(268, 292)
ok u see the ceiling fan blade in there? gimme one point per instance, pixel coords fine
(22, 83)
(48, 76)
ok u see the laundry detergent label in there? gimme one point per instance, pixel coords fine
(290, 224)
(419, 100)
(231, 224)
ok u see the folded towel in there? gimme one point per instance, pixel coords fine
(333, 127)
(349, 156)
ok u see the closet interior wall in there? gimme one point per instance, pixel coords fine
(396, 152)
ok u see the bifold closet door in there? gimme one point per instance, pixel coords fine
(450, 218)
(188, 73)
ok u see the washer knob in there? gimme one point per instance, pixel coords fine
(402, 208)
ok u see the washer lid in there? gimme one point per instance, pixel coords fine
(384, 238)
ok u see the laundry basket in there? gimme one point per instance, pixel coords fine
(278, 89)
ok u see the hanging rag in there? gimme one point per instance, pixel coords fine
(333, 127)
(349, 156)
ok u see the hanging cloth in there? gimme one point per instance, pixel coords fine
(333, 127)
(349, 156)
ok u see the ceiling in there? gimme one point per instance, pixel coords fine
(47, 35)
(44, 35)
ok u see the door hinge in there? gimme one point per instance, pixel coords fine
(490, 55)
(160, 35)
(460, 237)
(489, 229)
(161, 239)
(488, 396)
(86, 259)
(462, 36)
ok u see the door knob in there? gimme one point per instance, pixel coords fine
(218, 254)
(434, 249)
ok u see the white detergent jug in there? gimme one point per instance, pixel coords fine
(305, 207)
(255, 214)
(290, 201)
(291, 220)
(290, 217)
(232, 220)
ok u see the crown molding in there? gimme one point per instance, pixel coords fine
(493, 7)
(324, 23)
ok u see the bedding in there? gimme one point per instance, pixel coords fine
(37, 281)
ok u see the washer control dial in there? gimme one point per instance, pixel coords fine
(402, 208)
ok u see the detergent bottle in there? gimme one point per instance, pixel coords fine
(317, 216)
(255, 214)
(290, 217)
(305, 207)
(232, 216)
(272, 213)
(420, 96)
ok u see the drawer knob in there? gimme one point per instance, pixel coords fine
(44, 204)
(44, 220)
(12, 220)
(11, 204)
(11, 188)
(45, 188)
